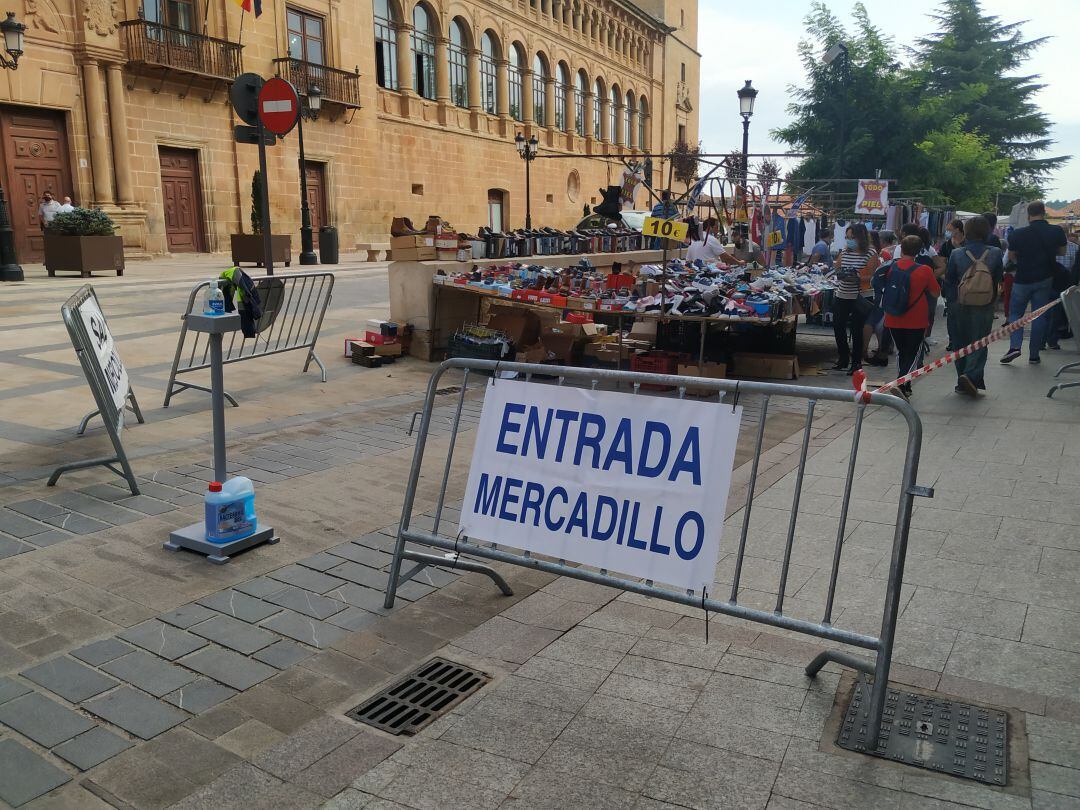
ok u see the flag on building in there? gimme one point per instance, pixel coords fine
(250, 6)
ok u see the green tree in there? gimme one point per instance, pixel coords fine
(973, 67)
(963, 165)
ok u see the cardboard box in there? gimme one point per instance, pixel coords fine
(520, 324)
(388, 350)
(446, 254)
(766, 366)
(575, 331)
(417, 241)
(608, 352)
(377, 339)
(644, 329)
(592, 330)
(560, 346)
(416, 254)
(714, 371)
(381, 327)
(533, 354)
(349, 341)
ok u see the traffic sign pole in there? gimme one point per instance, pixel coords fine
(264, 204)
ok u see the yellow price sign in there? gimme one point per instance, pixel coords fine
(774, 238)
(665, 228)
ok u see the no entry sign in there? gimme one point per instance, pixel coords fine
(279, 106)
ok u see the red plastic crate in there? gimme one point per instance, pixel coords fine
(656, 362)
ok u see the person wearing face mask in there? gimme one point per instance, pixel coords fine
(954, 238)
(853, 300)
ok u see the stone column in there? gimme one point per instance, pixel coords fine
(96, 113)
(442, 70)
(618, 136)
(571, 108)
(556, 11)
(590, 122)
(404, 59)
(527, 99)
(631, 136)
(120, 143)
(605, 118)
(502, 88)
(549, 102)
(475, 97)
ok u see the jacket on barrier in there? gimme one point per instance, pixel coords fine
(237, 282)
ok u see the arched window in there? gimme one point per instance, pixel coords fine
(613, 114)
(488, 72)
(423, 45)
(385, 46)
(643, 113)
(562, 90)
(580, 90)
(517, 84)
(540, 77)
(628, 120)
(598, 110)
(459, 64)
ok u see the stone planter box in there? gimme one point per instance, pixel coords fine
(248, 247)
(84, 254)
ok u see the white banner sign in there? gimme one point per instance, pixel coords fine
(633, 484)
(113, 373)
(873, 197)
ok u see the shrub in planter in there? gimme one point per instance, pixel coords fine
(82, 241)
(248, 247)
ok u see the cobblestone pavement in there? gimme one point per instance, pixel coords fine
(133, 677)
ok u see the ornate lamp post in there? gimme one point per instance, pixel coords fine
(527, 149)
(747, 94)
(311, 112)
(10, 270)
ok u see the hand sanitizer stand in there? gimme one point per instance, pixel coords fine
(193, 537)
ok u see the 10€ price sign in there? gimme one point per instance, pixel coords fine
(665, 228)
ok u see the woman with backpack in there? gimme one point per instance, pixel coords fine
(853, 299)
(908, 286)
(972, 280)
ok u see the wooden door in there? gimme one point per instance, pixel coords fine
(36, 160)
(182, 200)
(316, 192)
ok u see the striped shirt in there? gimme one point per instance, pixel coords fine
(848, 284)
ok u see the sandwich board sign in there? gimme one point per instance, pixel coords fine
(107, 377)
(620, 482)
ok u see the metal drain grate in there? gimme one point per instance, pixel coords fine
(934, 733)
(423, 695)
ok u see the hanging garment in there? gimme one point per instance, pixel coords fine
(839, 233)
(1018, 216)
(924, 220)
(809, 235)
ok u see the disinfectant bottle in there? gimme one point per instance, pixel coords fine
(230, 510)
(215, 299)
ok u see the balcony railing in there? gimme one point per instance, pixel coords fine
(337, 86)
(151, 43)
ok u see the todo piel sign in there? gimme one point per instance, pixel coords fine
(625, 483)
(279, 106)
(664, 228)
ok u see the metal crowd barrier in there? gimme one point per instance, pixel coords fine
(1070, 303)
(294, 306)
(881, 645)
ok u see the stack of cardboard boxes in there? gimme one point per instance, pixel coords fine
(418, 248)
(380, 345)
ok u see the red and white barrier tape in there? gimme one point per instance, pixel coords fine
(858, 379)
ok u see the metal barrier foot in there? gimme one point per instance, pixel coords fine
(840, 657)
(455, 564)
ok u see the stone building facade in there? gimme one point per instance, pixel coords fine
(124, 104)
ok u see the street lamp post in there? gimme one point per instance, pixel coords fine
(840, 51)
(747, 94)
(10, 270)
(527, 149)
(311, 112)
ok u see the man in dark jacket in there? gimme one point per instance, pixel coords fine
(970, 323)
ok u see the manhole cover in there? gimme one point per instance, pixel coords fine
(423, 695)
(933, 733)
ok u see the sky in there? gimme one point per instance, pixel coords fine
(740, 41)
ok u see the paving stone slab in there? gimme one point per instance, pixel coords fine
(169, 494)
(45, 722)
(102, 651)
(35, 508)
(187, 615)
(320, 562)
(69, 679)
(92, 507)
(199, 696)
(234, 634)
(372, 557)
(77, 524)
(149, 673)
(92, 748)
(240, 605)
(11, 689)
(135, 712)
(369, 599)
(306, 602)
(106, 492)
(18, 526)
(24, 775)
(146, 505)
(49, 538)
(302, 628)
(352, 619)
(9, 546)
(360, 574)
(229, 668)
(283, 654)
(162, 639)
(306, 579)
